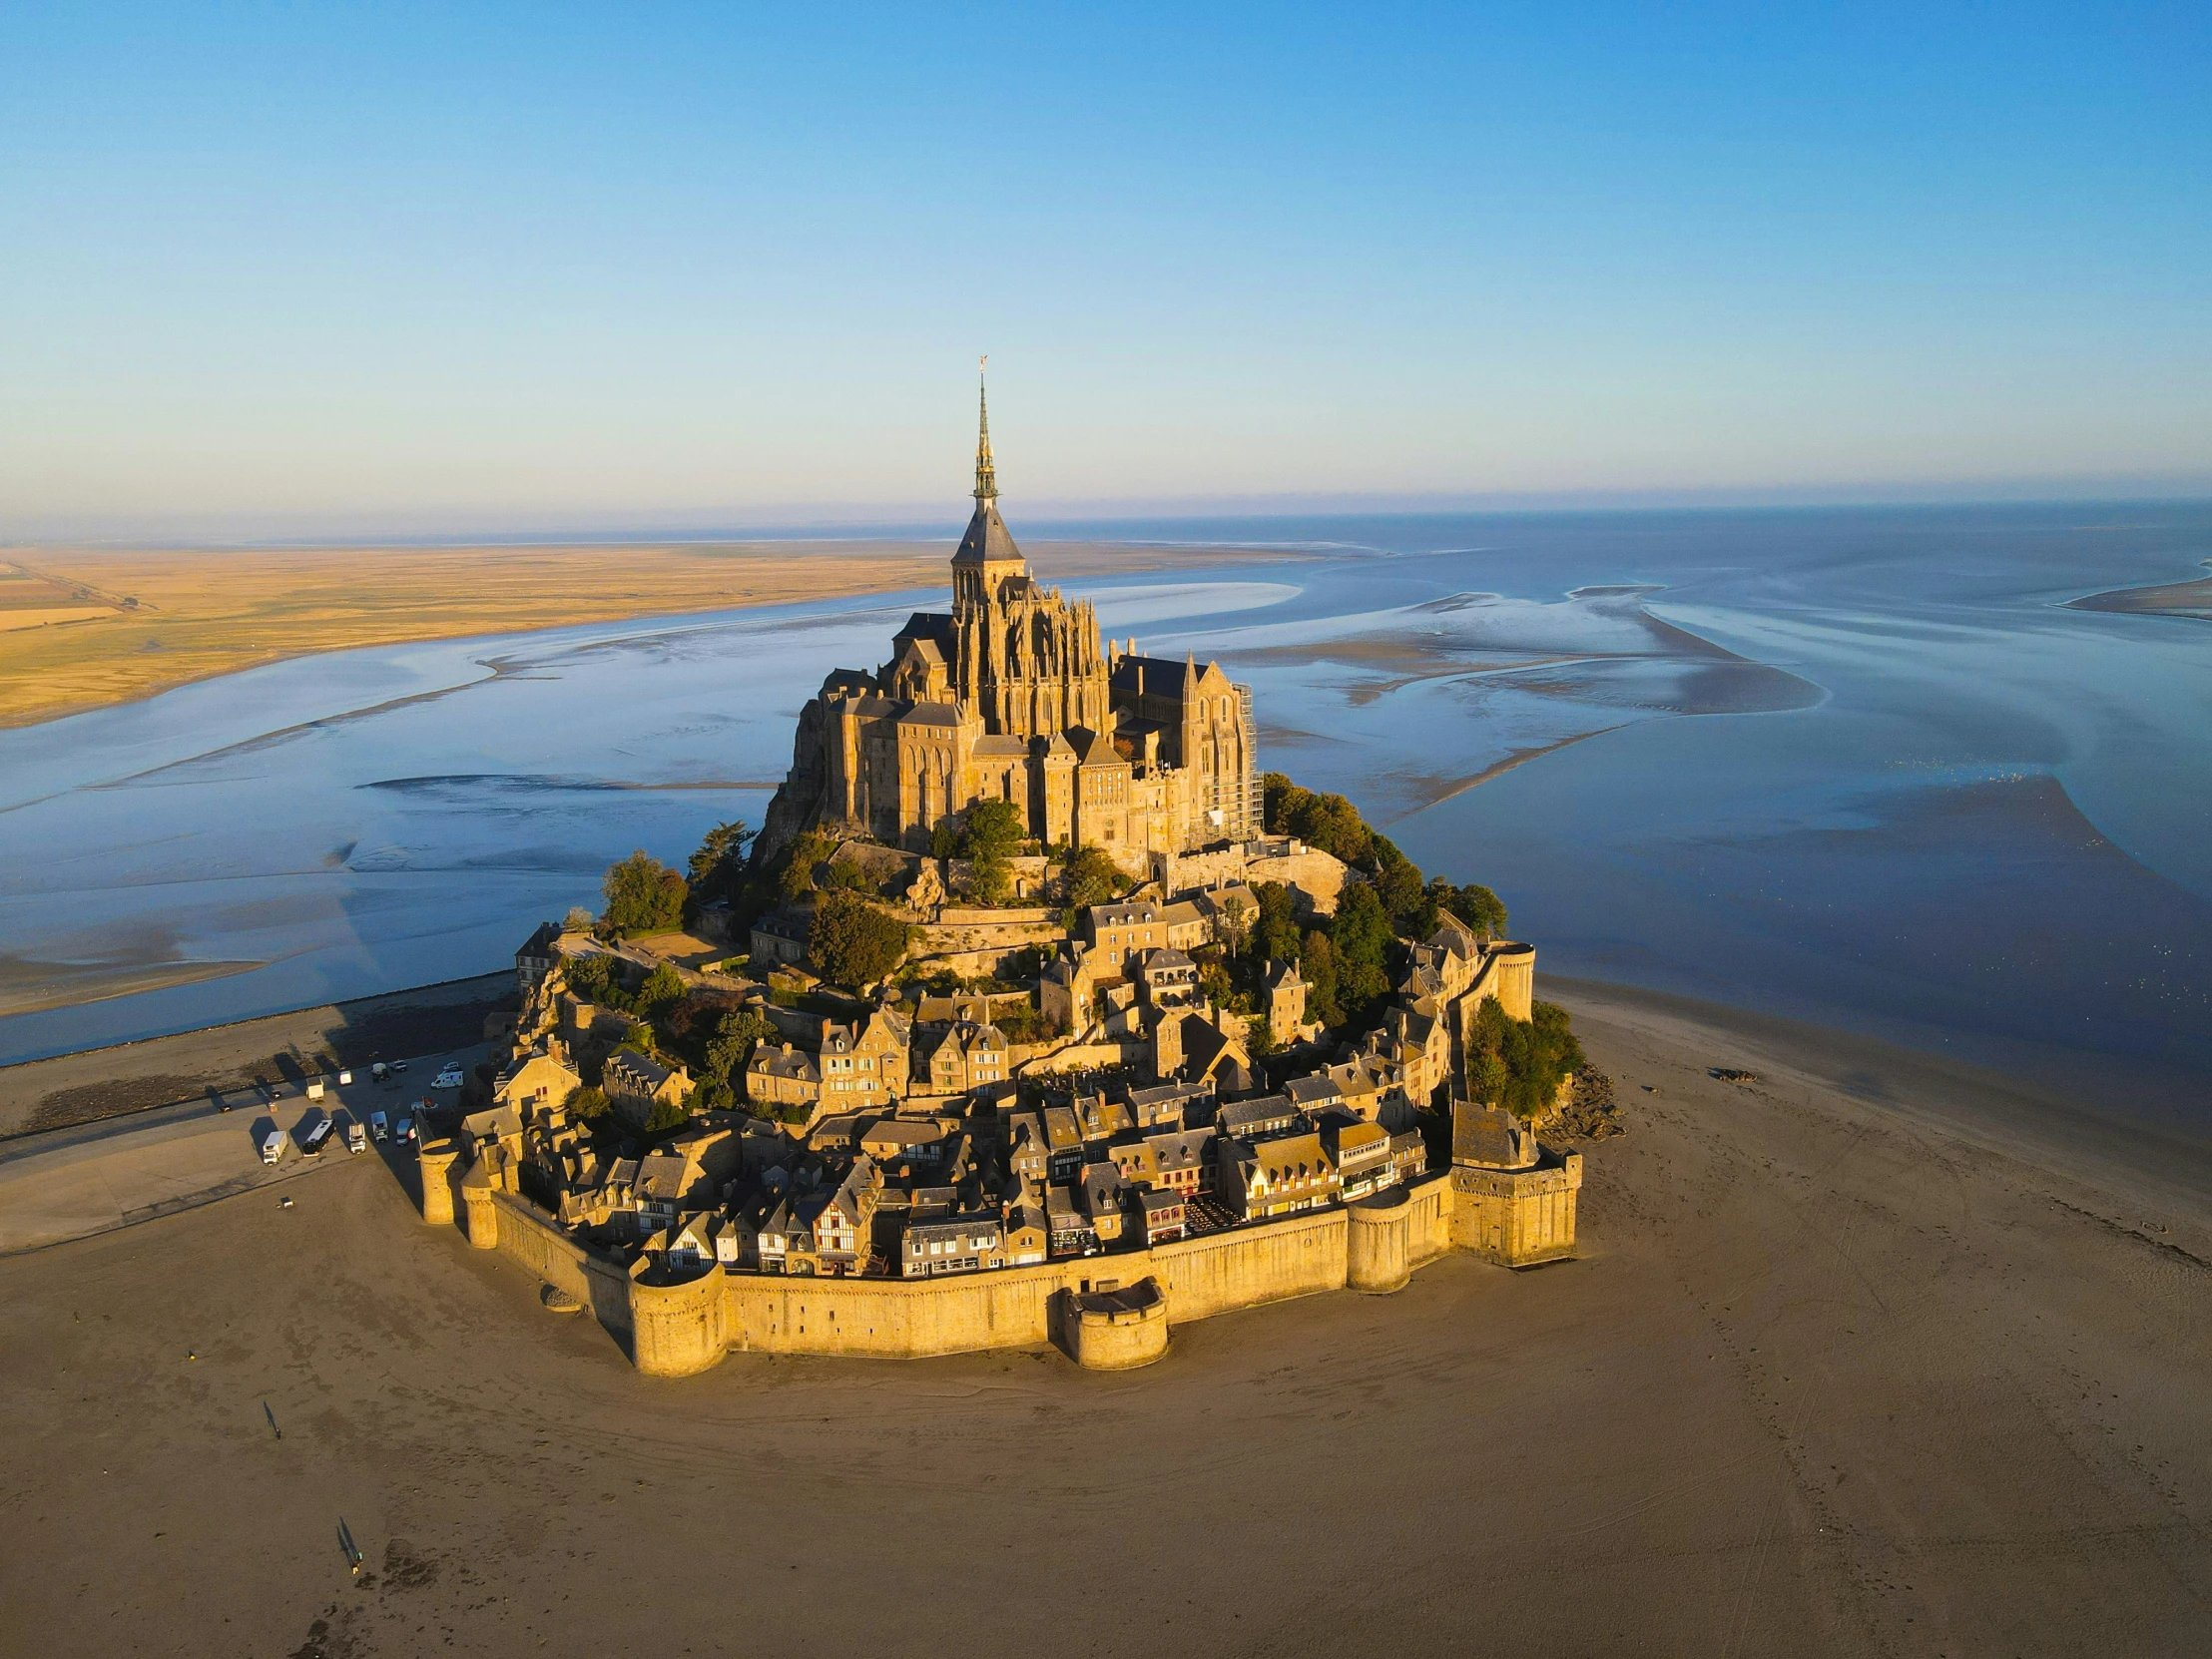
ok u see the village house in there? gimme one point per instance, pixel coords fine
(635, 1083)
(866, 1063)
(781, 1076)
(959, 1058)
(1281, 1177)
(1158, 1217)
(966, 1243)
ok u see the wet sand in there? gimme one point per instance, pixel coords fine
(1878, 1355)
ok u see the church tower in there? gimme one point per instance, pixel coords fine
(987, 558)
(1024, 660)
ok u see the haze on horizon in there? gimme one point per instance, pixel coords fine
(391, 270)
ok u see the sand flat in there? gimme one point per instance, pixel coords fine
(155, 619)
(1848, 1367)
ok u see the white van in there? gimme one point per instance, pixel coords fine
(314, 1088)
(273, 1146)
(356, 1140)
(378, 1127)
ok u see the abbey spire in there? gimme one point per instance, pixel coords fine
(986, 476)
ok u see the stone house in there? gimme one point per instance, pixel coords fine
(1281, 1177)
(866, 1063)
(965, 1242)
(843, 1224)
(1028, 1238)
(1068, 1228)
(539, 1078)
(635, 1083)
(1159, 1216)
(1285, 1003)
(1361, 1153)
(1105, 1197)
(779, 1075)
(960, 1058)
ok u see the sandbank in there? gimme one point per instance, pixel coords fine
(114, 625)
(2190, 599)
(1876, 1354)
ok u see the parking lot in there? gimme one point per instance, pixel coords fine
(71, 1182)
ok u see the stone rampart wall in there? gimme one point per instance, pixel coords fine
(529, 1239)
(677, 1326)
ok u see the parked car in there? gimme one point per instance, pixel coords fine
(379, 1072)
(378, 1127)
(407, 1129)
(398, 1065)
(450, 1078)
(314, 1088)
(356, 1140)
(311, 1144)
(273, 1146)
(345, 1079)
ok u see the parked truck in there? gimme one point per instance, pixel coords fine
(311, 1143)
(356, 1138)
(273, 1146)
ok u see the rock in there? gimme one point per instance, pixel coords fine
(1728, 1074)
(1592, 1113)
(558, 1301)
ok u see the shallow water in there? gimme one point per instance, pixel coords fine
(1861, 767)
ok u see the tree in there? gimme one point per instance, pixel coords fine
(1273, 934)
(1316, 962)
(589, 977)
(1360, 936)
(1091, 878)
(665, 1115)
(1397, 884)
(1477, 907)
(643, 896)
(730, 1050)
(1327, 822)
(992, 829)
(801, 860)
(1520, 1063)
(587, 1103)
(718, 869)
(714, 1095)
(663, 990)
(578, 920)
(639, 1039)
(851, 942)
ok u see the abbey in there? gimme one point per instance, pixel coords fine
(1010, 697)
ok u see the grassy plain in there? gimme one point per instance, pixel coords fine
(84, 628)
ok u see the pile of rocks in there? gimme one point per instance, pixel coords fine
(1590, 1112)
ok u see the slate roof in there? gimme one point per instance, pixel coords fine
(987, 540)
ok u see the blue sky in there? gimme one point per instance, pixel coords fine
(286, 270)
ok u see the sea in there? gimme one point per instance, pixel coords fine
(1862, 767)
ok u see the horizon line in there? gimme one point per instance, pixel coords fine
(907, 521)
